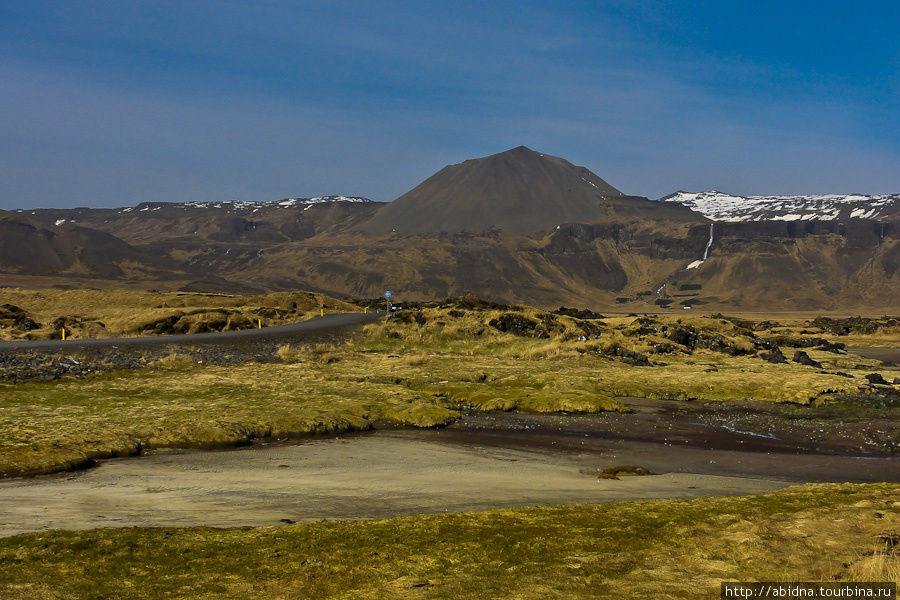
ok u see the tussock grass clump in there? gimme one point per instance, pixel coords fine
(174, 361)
(318, 353)
(623, 470)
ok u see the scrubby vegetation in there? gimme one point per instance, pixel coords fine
(667, 548)
(423, 367)
(42, 314)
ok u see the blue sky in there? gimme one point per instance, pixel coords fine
(115, 103)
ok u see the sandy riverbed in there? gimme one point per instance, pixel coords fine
(365, 476)
(482, 461)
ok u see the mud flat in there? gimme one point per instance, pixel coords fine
(886, 355)
(359, 477)
(482, 461)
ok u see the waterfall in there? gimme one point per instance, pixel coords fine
(706, 250)
(708, 243)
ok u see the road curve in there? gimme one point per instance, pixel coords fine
(320, 326)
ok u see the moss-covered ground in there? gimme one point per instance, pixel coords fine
(655, 549)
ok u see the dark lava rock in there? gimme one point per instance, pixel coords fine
(686, 336)
(517, 324)
(764, 343)
(803, 358)
(747, 323)
(635, 359)
(773, 356)
(26, 324)
(11, 311)
(876, 378)
(578, 314)
(862, 325)
(667, 348)
(719, 343)
(15, 317)
(591, 330)
(836, 347)
(470, 302)
(164, 325)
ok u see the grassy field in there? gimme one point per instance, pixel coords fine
(113, 313)
(402, 372)
(424, 368)
(652, 549)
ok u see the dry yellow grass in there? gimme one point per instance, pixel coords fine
(393, 372)
(113, 313)
(413, 369)
(654, 549)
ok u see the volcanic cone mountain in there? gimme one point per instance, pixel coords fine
(520, 191)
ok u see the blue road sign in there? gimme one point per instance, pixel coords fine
(387, 294)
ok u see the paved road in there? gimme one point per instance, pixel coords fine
(320, 326)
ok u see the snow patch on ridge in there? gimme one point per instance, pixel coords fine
(245, 205)
(720, 206)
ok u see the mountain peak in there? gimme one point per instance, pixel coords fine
(521, 191)
(521, 150)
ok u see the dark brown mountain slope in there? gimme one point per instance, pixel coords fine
(527, 241)
(261, 223)
(519, 191)
(29, 246)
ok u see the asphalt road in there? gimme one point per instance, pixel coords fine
(318, 327)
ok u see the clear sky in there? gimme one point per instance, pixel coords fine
(115, 103)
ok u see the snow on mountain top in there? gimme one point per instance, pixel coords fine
(241, 205)
(720, 206)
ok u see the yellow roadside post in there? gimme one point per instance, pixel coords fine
(259, 323)
(366, 310)
(322, 312)
(64, 334)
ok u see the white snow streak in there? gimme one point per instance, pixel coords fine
(719, 206)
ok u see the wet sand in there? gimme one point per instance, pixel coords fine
(368, 476)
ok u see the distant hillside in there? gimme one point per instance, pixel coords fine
(29, 246)
(519, 191)
(726, 207)
(516, 227)
(195, 223)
